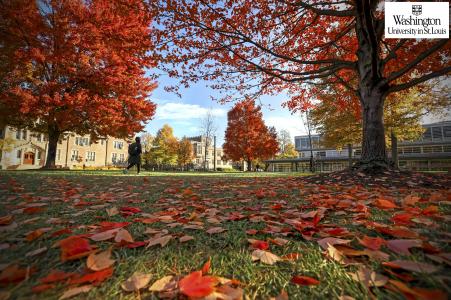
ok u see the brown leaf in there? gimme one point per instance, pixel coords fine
(123, 236)
(112, 211)
(265, 257)
(369, 278)
(105, 235)
(186, 238)
(332, 241)
(411, 266)
(136, 282)
(402, 246)
(76, 291)
(161, 240)
(163, 284)
(100, 261)
(214, 230)
(36, 252)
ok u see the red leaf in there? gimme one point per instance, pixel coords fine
(196, 285)
(42, 287)
(55, 276)
(15, 274)
(61, 232)
(385, 204)
(262, 245)
(304, 280)
(94, 278)
(111, 225)
(74, 247)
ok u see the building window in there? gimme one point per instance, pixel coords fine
(447, 132)
(58, 154)
(90, 156)
(437, 133)
(102, 142)
(199, 149)
(74, 156)
(122, 157)
(18, 134)
(81, 141)
(38, 154)
(113, 157)
(19, 154)
(24, 134)
(118, 145)
(39, 137)
(1, 133)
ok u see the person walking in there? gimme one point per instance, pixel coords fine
(134, 155)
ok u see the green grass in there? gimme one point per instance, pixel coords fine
(151, 192)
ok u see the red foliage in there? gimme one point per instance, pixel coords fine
(247, 137)
(196, 285)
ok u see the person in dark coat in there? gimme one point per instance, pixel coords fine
(134, 155)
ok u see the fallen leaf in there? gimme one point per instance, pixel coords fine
(14, 274)
(304, 280)
(410, 200)
(373, 243)
(332, 241)
(100, 261)
(76, 291)
(34, 235)
(257, 244)
(384, 204)
(214, 230)
(112, 211)
(196, 285)
(74, 248)
(411, 266)
(265, 257)
(6, 220)
(369, 278)
(42, 287)
(123, 236)
(94, 278)
(56, 276)
(163, 284)
(186, 238)
(161, 240)
(403, 246)
(136, 282)
(36, 252)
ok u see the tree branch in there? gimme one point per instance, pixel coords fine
(413, 82)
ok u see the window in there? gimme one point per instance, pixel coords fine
(74, 156)
(113, 157)
(58, 154)
(199, 149)
(122, 157)
(118, 145)
(447, 132)
(19, 153)
(102, 142)
(1, 133)
(39, 137)
(24, 134)
(18, 134)
(90, 156)
(38, 154)
(437, 133)
(81, 141)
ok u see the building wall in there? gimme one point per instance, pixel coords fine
(73, 151)
(198, 143)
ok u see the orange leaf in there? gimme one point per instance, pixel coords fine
(6, 220)
(304, 280)
(373, 243)
(34, 235)
(385, 204)
(196, 285)
(14, 274)
(206, 266)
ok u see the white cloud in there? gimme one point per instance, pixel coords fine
(182, 111)
(292, 123)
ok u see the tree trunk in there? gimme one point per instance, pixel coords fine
(350, 155)
(374, 154)
(54, 136)
(372, 88)
(249, 165)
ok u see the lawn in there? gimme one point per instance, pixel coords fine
(313, 241)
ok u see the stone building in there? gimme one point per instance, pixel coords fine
(198, 143)
(23, 149)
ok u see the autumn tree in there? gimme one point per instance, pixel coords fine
(164, 149)
(185, 153)
(403, 111)
(75, 66)
(289, 152)
(247, 137)
(251, 48)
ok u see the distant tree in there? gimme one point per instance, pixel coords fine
(247, 137)
(164, 150)
(75, 66)
(185, 153)
(147, 145)
(340, 125)
(284, 138)
(208, 130)
(289, 152)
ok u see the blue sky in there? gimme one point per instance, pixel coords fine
(184, 114)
